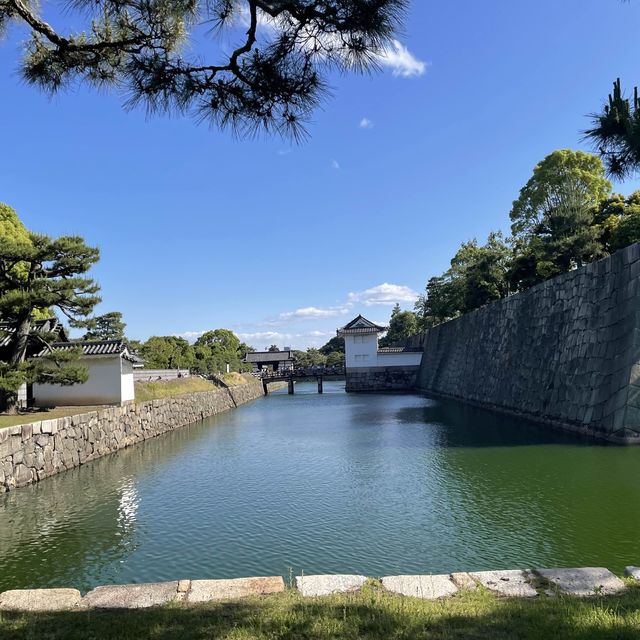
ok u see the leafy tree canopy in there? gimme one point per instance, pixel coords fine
(402, 326)
(167, 352)
(51, 276)
(108, 326)
(335, 345)
(271, 77)
(615, 132)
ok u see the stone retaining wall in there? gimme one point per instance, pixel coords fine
(537, 583)
(31, 452)
(565, 352)
(381, 379)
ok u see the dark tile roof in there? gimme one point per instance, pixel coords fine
(49, 325)
(361, 325)
(400, 350)
(96, 348)
(268, 356)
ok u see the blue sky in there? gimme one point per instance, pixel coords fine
(283, 243)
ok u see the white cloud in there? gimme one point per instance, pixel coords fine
(383, 294)
(395, 56)
(365, 123)
(313, 313)
(335, 164)
(263, 339)
(191, 336)
(401, 61)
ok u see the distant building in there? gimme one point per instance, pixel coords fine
(109, 362)
(370, 368)
(270, 360)
(110, 365)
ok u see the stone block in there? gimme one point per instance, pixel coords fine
(212, 590)
(632, 572)
(39, 600)
(513, 583)
(588, 581)
(325, 585)
(427, 587)
(463, 580)
(132, 596)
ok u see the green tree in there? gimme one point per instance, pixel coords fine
(402, 326)
(615, 133)
(51, 276)
(486, 277)
(273, 348)
(215, 349)
(619, 218)
(438, 303)
(108, 326)
(336, 359)
(310, 358)
(335, 345)
(272, 78)
(167, 352)
(554, 220)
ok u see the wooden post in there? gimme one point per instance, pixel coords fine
(291, 389)
(265, 387)
(319, 384)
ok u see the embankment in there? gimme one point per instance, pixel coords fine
(32, 452)
(565, 352)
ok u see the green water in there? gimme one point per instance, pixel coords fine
(334, 483)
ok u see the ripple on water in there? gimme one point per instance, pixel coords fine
(331, 483)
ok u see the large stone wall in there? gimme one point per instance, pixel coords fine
(566, 352)
(31, 452)
(381, 379)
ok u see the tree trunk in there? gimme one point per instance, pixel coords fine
(20, 341)
(18, 354)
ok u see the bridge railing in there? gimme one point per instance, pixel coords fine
(301, 372)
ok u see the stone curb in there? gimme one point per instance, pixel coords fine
(582, 582)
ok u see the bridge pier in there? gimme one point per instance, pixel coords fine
(265, 386)
(319, 384)
(291, 387)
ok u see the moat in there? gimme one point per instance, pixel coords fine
(372, 484)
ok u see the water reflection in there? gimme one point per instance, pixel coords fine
(330, 483)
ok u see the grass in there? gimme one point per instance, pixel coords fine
(369, 615)
(234, 379)
(26, 417)
(167, 388)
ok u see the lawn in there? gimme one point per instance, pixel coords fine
(167, 388)
(371, 615)
(26, 417)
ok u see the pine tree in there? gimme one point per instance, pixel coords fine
(50, 276)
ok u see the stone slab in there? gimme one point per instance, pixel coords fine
(513, 583)
(632, 572)
(588, 581)
(310, 586)
(132, 596)
(463, 580)
(211, 590)
(39, 600)
(426, 587)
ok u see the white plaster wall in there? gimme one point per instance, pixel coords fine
(127, 386)
(361, 350)
(408, 359)
(103, 387)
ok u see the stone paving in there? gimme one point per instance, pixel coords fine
(507, 583)
(425, 587)
(588, 581)
(326, 585)
(582, 582)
